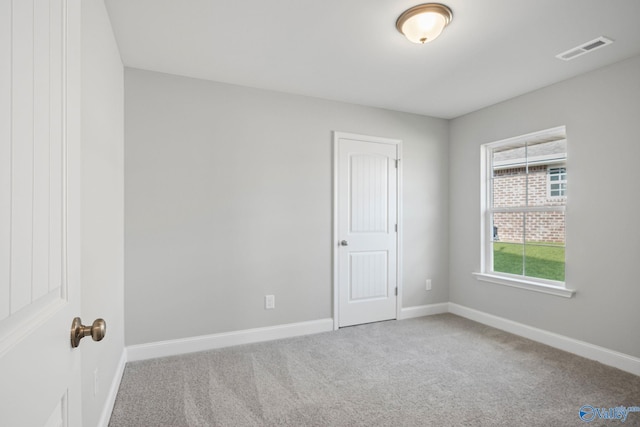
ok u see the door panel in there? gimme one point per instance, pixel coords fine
(39, 211)
(368, 187)
(366, 216)
(368, 275)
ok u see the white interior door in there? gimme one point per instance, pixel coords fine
(39, 211)
(366, 229)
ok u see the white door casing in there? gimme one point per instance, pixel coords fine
(39, 211)
(366, 229)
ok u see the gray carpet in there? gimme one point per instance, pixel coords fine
(433, 371)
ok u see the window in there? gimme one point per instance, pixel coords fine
(524, 197)
(557, 182)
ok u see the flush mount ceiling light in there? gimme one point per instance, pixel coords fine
(425, 22)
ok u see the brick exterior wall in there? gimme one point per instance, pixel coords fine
(509, 190)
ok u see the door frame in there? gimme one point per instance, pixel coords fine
(337, 135)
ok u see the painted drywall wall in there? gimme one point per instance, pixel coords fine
(229, 198)
(601, 111)
(102, 205)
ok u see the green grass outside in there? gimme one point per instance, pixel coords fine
(545, 262)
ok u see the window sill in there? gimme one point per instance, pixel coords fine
(528, 285)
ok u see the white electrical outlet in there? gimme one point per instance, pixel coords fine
(269, 302)
(428, 285)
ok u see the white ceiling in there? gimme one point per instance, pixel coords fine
(349, 50)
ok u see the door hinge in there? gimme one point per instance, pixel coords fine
(396, 291)
(397, 160)
(396, 228)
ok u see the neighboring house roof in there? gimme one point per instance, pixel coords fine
(541, 153)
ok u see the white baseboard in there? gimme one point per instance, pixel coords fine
(113, 391)
(226, 339)
(423, 310)
(208, 342)
(581, 348)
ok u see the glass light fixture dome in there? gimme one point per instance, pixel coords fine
(424, 23)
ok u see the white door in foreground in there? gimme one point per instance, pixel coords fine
(39, 212)
(366, 222)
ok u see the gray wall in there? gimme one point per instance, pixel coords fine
(102, 204)
(228, 198)
(601, 110)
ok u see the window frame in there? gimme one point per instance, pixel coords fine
(486, 273)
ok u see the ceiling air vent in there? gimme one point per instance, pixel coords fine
(587, 47)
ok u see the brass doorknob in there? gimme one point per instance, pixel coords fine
(78, 331)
